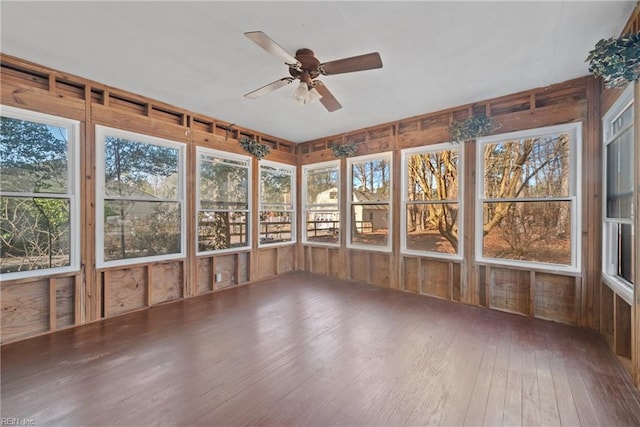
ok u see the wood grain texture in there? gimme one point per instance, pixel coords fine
(125, 290)
(204, 275)
(65, 301)
(286, 259)
(555, 297)
(435, 278)
(411, 274)
(309, 350)
(25, 309)
(166, 281)
(509, 290)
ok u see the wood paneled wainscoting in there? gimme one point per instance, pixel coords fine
(304, 349)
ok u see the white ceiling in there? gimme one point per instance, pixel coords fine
(194, 55)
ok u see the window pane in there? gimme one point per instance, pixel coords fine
(626, 253)
(275, 186)
(322, 186)
(222, 230)
(620, 176)
(140, 170)
(433, 176)
(433, 227)
(623, 120)
(531, 167)
(323, 227)
(140, 229)
(370, 181)
(369, 224)
(33, 157)
(528, 231)
(223, 185)
(35, 233)
(275, 227)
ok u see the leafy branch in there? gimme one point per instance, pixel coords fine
(253, 147)
(617, 61)
(347, 149)
(473, 127)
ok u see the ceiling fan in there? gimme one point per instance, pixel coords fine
(304, 66)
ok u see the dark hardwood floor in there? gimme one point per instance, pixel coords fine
(307, 350)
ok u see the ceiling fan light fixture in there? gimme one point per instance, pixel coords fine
(313, 95)
(301, 93)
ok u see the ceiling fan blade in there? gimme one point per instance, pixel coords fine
(328, 100)
(269, 88)
(265, 42)
(367, 61)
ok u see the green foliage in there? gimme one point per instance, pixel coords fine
(34, 231)
(616, 60)
(347, 149)
(32, 157)
(474, 127)
(253, 147)
(136, 168)
(275, 186)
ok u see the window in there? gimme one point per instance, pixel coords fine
(431, 193)
(277, 201)
(139, 198)
(223, 201)
(529, 204)
(39, 218)
(321, 185)
(618, 214)
(369, 201)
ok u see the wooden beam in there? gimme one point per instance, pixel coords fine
(52, 304)
(635, 309)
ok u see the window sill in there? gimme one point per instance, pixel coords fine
(619, 288)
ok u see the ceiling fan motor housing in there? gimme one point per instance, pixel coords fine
(309, 69)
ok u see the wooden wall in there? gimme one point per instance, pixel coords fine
(567, 298)
(43, 304)
(578, 299)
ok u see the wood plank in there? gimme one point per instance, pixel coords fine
(65, 301)
(635, 310)
(125, 290)
(411, 274)
(318, 259)
(205, 275)
(436, 278)
(286, 259)
(16, 94)
(555, 297)
(52, 304)
(310, 350)
(167, 279)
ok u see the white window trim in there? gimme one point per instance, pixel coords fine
(230, 156)
(609, 251)
(101, 133)
(350, 161)
(293, 170)
(406, 153)
(575, 196)
(73, 184)
(305, 208)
